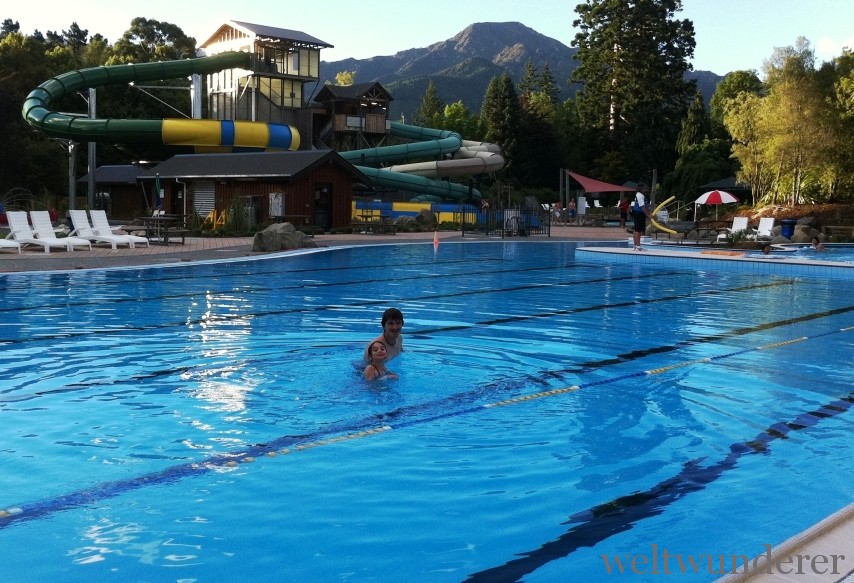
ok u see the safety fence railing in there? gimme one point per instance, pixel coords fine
(506, 223)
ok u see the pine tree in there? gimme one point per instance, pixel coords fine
(432, 108)
(634, 56)
(530, 82)
(500, 117)
(695, 128)
(548, 85)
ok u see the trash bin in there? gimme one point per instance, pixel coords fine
(787, 227)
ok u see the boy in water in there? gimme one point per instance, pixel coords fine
(392, 323)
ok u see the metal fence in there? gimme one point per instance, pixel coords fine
(506, 223)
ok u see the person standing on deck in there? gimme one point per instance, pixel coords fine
(640, 212)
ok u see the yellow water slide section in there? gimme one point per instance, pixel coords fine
(191, 132)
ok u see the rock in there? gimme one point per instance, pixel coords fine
(281, 237)
(426, 219)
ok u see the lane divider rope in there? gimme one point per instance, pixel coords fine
(28, 512)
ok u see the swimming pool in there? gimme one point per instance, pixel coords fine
(843, 252)
(554, 417)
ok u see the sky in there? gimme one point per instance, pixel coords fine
(730, 34)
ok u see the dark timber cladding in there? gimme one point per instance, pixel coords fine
(316, 185)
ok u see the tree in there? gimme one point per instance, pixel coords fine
(839, 171)
(633, 59)
(548, 84)
(344, 78)
(530, 82)
(146, 41)
(431, 110)
(30, 160)
(458, 118)
(500, 117)
(743, 119)
(730, 86)
(8, 27)
(75, 37)
(695, 128)
(796, 134)
(699, 164)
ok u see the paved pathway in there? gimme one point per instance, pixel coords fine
(207, 248)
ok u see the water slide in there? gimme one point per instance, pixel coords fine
(214, 136)
(469, 158)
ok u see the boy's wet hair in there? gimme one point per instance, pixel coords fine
(392, 314)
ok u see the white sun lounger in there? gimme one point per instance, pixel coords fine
(44, 231)
(10, 244)
(20, 231)
(738, 224)
(102, 226)
(765, 229)
(84, 230)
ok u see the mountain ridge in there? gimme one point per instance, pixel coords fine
(462, 66)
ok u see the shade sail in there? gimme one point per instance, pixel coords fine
(591, 185)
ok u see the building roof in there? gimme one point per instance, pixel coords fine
(119, 174)
(248, 165)
(371, 90)
(268, 32)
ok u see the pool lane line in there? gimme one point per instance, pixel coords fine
(599, 523)
(117, 285)
(383, 301)
(321, 307)
(589, 366)
(255, 289)
(558, 374)
(576, 369)
(287, 444)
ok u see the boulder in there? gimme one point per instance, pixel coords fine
(281, 237)
(426, 220)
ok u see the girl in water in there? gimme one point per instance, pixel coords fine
(377, 354)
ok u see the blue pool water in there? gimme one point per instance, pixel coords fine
(205, 423)
(842, 252)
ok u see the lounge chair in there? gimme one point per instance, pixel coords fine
(9, 244)
(21, 231)
(84, 230)
(765, 228)
(739, 224)
(44, 231)
(102, 226)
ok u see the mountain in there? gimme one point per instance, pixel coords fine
(461, 67)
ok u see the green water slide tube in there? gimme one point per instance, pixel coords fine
(177, 135)
(470, 158)
(181, 135)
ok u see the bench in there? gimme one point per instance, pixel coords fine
(176, 232)
(374, 227)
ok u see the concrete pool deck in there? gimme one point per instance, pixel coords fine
(212, 248)
(832, 536)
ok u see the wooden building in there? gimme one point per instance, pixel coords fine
(117, 191)
(351, 117)
(304, 188)
(308, 186)
(284, 62)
